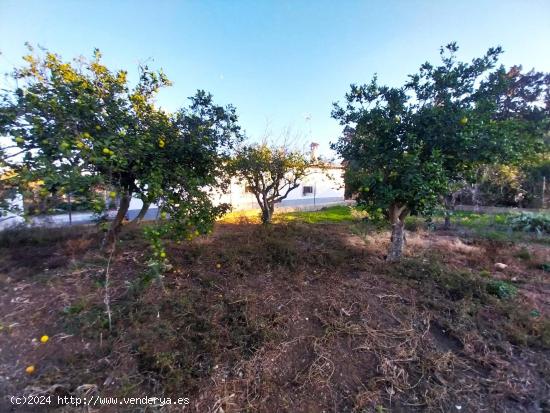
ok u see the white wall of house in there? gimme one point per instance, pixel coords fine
(136, 203)
(322, 186)
(11, 219)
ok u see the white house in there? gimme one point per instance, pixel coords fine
(321, 187)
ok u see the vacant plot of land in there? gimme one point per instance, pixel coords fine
(301, 316)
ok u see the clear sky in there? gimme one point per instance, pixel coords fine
(279, 62)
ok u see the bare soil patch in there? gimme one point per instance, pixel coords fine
(291, 318)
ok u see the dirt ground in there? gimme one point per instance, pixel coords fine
(291, 318)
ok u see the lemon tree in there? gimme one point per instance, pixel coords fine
(389, 167)
(406, 148)
(271, 173)
(478, 114)
(76, 122)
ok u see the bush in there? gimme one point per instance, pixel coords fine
(530, 222)
(502, 289)
(455, 285)
(414, 224)
(18, 236)
(523, 254)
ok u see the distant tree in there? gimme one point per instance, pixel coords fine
(537, 184)
(518, 107)
(514, 94)
(8, 192)
(271, 173)
(457, 103)
(501, 185)
(76, 121)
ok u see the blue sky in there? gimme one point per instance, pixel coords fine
(278, 62)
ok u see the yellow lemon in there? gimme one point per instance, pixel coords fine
(162, 254)
(161, 143)
(112, 194)
(106, 151)
(464, 120)
(44, 339)
(79, 145)
(30, 369)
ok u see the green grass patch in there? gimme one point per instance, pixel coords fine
(87, 320)
(333, 214)
(476, 220)
(493, 226)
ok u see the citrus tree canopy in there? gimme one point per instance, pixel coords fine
(405, 147)
(78, 123)
(271, 173)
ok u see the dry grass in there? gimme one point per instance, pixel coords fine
(292, 317)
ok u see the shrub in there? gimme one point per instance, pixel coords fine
(530, 222)
(414, 224)
(19, 236)
(502, 289)
(523, 254)
(455, 285)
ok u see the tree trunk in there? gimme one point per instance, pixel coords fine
(450, 201)
(267, 214)
(475, 197)
(267, 208)
(142, 213)
(397, 218)
(116, 225)
(70, 210)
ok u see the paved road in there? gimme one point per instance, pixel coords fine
(79, 218)
(497, 210)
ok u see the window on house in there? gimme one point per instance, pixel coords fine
(307, 190)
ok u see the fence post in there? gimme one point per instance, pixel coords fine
(70, 210)
(543, 197)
